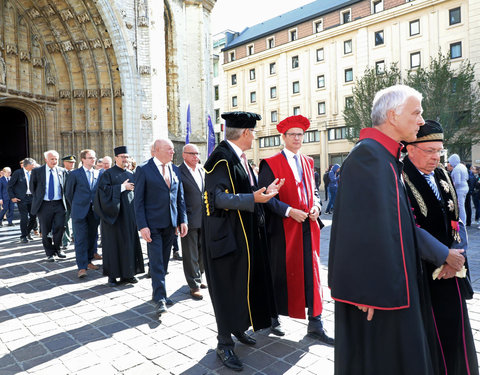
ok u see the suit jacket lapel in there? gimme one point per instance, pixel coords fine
(156, 172)
(186, 172)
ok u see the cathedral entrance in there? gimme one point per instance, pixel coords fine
(14, 137)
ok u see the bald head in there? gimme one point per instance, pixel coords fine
(190, 155)
(163, 150)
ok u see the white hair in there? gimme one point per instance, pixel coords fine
(391, 98)
(51, 152)
(107, 158)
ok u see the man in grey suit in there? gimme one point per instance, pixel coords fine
(48, 203)
(193, 179)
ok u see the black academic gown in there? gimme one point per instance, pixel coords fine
(236, 267)
(122, 252)
(448, 295)
(373, 261)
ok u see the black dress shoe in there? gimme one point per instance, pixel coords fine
(168, 302)
(316, 330)
(277, 330)
(11, 224)
(23, 240)
(245, 339)
(229, 359)
(29, 238)
(129, 280)
(61, 254)
(50, 258)
(177, 256)
(161, 307)
(148, 276)
(112, 282)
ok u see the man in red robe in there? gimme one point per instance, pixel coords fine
(294, 230)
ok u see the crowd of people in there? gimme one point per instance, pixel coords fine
(398, 266)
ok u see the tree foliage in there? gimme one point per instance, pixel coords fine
(450, 96)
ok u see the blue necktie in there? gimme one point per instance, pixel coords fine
(89, 176)
(432, 185)
(51, 187)
(299, 167)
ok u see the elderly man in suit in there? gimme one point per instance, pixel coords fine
(193, 181)
(48, 203)
(160, 213)
(80, 192)
(4, 198)
(19, 193)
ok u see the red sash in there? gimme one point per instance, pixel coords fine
(289, 194)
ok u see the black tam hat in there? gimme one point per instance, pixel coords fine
(431, 131)
(120, 150)
(240, 119)
(69, 158)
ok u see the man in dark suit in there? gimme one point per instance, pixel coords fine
(4, 198)
(160, 212)
(19, 193)
(193, 181)
(69, 165)
(48, 202)
(80, 192)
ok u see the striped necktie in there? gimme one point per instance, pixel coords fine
(432, 184)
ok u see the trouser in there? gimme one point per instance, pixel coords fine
(192, 257)
(7, 209)
(52, 219)
(68, 233)
(468, 209)
(158, 255)
(27, 220)
(476, 203)
(85, 237)
(332, 191)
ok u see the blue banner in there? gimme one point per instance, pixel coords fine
(211, 136)
(189, 126)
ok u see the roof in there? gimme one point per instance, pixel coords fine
(294, 17)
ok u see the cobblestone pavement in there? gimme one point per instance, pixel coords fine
(51, 322)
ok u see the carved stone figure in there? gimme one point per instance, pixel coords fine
(12, 49)
(96, 43)
(64, 94)
(107, 43)
(24, 56)
(78, 93)
(92, 93)
(37, 62)
(82, 45)
(83, 18)
(106, 93)
(66, 15)
(67, 46)
(3, 71)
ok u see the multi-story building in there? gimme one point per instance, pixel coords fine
(306, 61)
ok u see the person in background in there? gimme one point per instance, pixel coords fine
(333, 177)
(107, 162)
(326, 181)
(468, 198)
(476, 194)
(6, 204)
(459, 174)
(69, 165)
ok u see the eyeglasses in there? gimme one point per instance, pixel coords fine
(431, 151)
(253, 131)
(192, 153)
(294, 135)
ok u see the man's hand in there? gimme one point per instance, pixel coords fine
(298, 215)
(15, 200)
(447, 272)
(314, 213)
(260, 196)
(182, 229)
(455, 258)
(128, 185)
(145, 232)
(1, 202)
(275, 186)
(368, 310)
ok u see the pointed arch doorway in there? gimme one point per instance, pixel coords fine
(14, 135)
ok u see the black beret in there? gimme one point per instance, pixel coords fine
(239, 119)
(430, 131)
(120, 150)
(69, 158)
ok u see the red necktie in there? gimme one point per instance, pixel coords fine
(245, 164)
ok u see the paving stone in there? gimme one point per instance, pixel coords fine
(35, 349)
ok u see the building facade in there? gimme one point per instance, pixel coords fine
(306, 62)
(78, 74)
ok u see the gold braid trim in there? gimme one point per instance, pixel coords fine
(416, 194)
(452, 189)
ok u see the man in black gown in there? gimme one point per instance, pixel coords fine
(122, 252)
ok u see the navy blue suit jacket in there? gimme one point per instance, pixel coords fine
(78, 193)
(17, 186)
(157, 206)
(4, 189)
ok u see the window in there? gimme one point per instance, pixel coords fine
(274, 116)
(253, 97)
(216, 91)
(234, 79)
(296, 87)
(272, 68)
(321, 108)
(320, 54)
(349, 102)
(455, 16)
(250, 49)
(379, 40)
(217, 116)
(231, 56)
(320, 81)
(414, 27)
(296, 111)
(415, 60)
(295, 63)
(380, 67)
(377, 6)
(311, 136)
(337, 133)
(349, 75)
(318, 26)
(272, 141)
(270, 42)
(273, 92)
(456, 50)
(234, 101)
(347, 46)
(215, 69)
(346, 16)
(293, 35)
(252, 74)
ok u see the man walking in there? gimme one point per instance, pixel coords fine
(19, 193)
(47, 186)
(80, 192)
(5, 201)
(69, 165)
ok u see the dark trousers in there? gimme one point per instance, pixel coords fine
(67, 233)
(158, 255)
(476, 203)
(192, 258)
(7, 209)
(468, 209)
(85, 236)
(52, 218)
(27, 220)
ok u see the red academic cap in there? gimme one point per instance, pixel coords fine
(293, 122)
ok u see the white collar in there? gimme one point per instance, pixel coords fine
(289, 154)
(158, 163)
(237, 149)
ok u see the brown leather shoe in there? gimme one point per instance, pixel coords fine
(92, 266)
(203, 286)
(97, 256)
(81, 274)
(195, 293)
